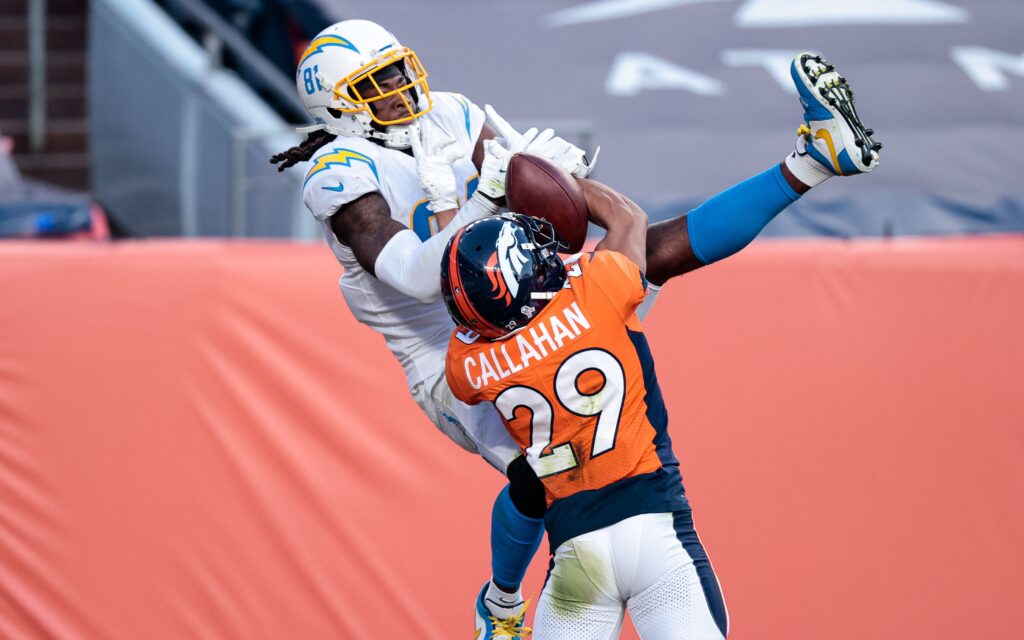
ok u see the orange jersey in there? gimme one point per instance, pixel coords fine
(576, 389)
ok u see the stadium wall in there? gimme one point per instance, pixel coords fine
(197, 441)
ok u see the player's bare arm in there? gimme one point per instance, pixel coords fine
(365, 226)
(624, 221)
(393, 253)
(487, 133)
(669, 253)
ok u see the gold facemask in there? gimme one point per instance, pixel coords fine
(345, 90)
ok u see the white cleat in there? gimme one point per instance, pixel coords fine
(832, 133)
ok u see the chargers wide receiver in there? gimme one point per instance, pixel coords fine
(395, 169)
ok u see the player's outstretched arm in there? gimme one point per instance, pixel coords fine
(487, 133)
(394, 253)
(721, 226)
(624, 221)
(669, 253)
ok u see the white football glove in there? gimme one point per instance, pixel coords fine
(569, 157)
(497, 154)
(435, 153)
(563, 153)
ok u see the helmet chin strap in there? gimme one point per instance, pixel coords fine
(396, 136)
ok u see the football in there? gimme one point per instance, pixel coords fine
(539, 188)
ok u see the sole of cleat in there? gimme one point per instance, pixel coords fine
(835, 95)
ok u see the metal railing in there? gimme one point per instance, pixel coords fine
(218, 34)
(37, 74)
(180, 144)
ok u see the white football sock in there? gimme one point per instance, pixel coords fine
(806, 169)
(502, 604)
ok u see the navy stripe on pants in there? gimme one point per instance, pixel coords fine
(687, 535)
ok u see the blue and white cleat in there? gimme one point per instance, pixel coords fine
(490, 627)
(832, 134)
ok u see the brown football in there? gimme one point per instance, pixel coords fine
(539, 188)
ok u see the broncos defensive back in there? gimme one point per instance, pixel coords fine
(558, 350)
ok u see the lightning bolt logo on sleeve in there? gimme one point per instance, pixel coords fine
(340, 157)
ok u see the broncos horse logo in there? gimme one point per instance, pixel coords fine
(509, 260)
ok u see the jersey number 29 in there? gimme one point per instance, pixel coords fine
(605, 404)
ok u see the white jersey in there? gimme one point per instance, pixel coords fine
(347, 168)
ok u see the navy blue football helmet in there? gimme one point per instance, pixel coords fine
(499, 272)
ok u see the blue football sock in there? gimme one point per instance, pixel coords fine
(729, 221)
(514, 540)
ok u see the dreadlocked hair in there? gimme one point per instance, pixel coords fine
(303, 151)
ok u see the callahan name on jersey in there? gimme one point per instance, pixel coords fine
(535, 342)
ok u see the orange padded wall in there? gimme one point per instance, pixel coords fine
(197, 441)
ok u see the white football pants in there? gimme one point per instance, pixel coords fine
(475, 428)
(642, 564)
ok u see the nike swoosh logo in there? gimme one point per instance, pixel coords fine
(339, 188)
(827, 137)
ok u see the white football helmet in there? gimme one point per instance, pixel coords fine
(341, 66)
